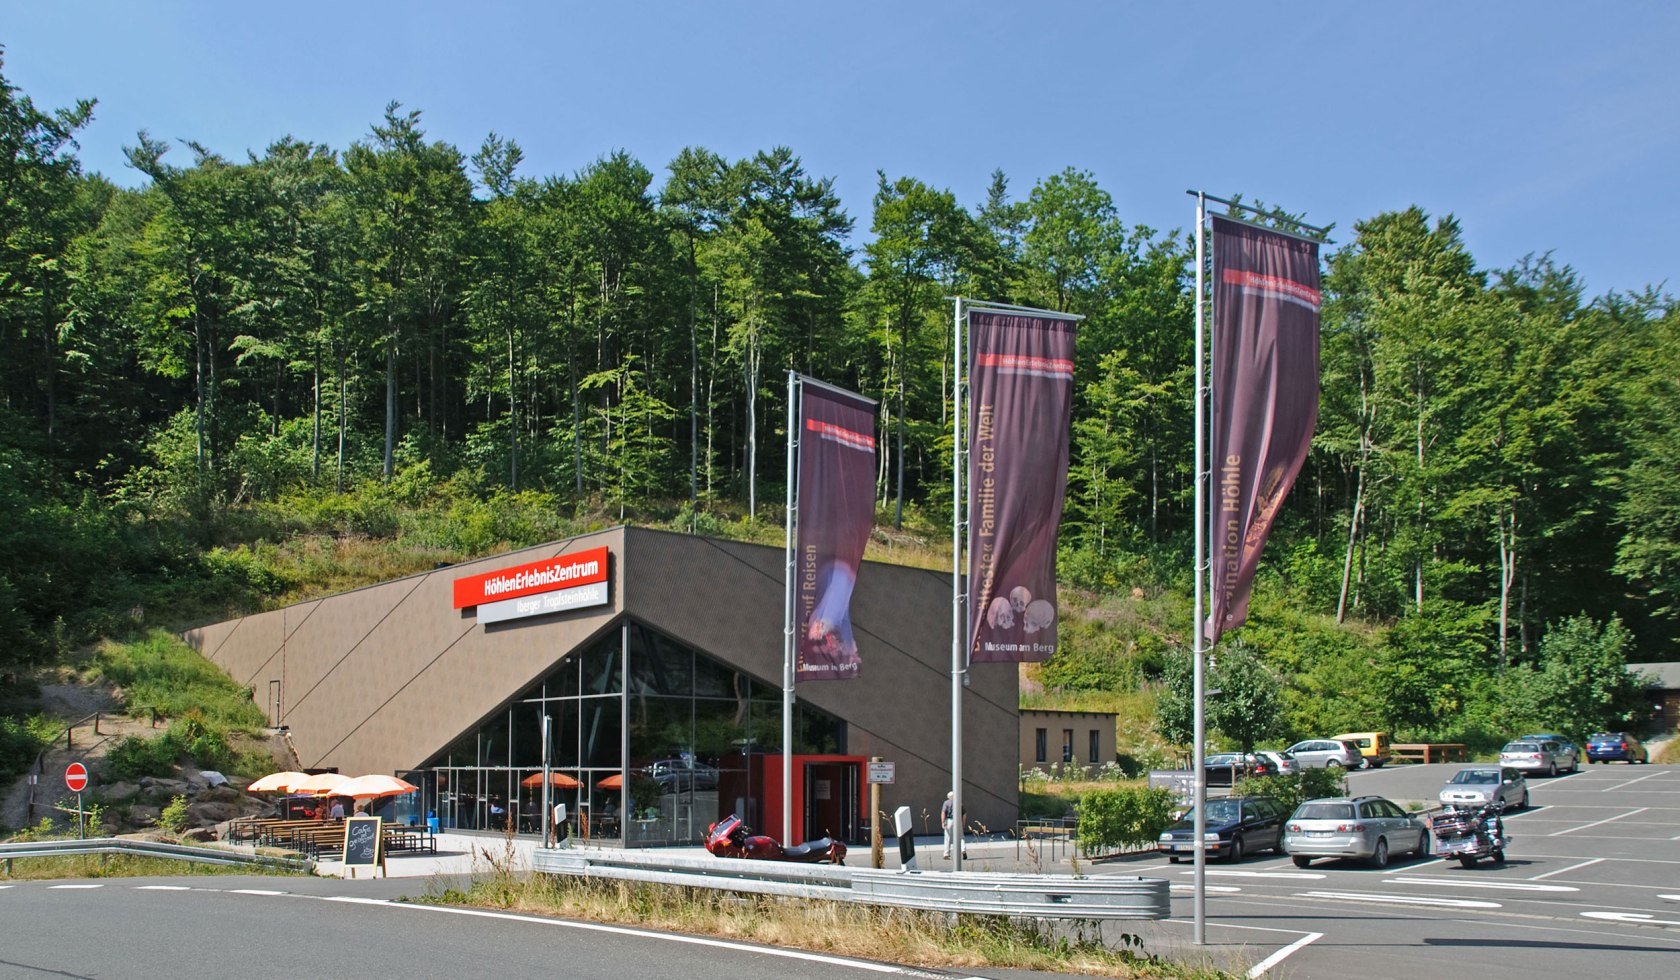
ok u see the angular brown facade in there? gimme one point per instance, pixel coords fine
(385, 678)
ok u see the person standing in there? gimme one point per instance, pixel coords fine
(948, 822)
(337, 812)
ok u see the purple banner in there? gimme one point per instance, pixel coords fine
(836, 513)
(1020, 402)
(1265, 397)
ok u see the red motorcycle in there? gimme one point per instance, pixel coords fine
(730, 838)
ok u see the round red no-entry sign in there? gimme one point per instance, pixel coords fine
(75, 777)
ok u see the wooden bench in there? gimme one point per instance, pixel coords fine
(1427, 752)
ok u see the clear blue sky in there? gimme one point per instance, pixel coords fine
(1542, 126)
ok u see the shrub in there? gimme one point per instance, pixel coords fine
(174, 816)
(135, 757)
(1292, 790)
(1110, 819)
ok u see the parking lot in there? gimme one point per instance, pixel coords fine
(1591, 888)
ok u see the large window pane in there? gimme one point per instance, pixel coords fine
(660, 728)
(658, 664)
(600, 741)
(527, 735)
(601, 671)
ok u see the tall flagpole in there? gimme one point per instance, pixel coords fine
(959, 623)
(1197, 645)
(788, 641)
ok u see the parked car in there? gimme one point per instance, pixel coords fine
(1285, 762)
(1608, 746)
(1236, 825)
(1319, 753)
(1225, 768)
(1368, 827)
(1480, 785)
(1373, 746)
(1538, 756)
(1555, 737)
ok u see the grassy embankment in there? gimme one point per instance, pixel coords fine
(905, 936)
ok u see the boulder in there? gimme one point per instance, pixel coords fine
(165, 787)
(206, 814)
(143, 816)
(220, 794)
(200, 834)
(118, 792)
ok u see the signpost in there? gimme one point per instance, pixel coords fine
(76, 780)
(879, 773)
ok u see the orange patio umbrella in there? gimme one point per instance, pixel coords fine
(321, 784)
(615, 781)
(276, 782)
(559, 780)
(364, 787)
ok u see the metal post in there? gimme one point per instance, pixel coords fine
(877, 857)
(81, 825)
(959, 625)
(1196, 645)
(787, 619)
(547, 804)
(624, 734)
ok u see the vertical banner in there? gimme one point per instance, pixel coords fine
(836, 513)
(1020, 405)
(1265, 397)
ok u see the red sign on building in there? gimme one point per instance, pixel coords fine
(76, 777)
(548, 575)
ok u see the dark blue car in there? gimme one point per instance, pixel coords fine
(1615, 746)
(1236, 825)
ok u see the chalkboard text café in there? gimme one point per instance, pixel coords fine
(657, 659)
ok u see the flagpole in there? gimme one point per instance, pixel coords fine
(1197, 645)
(959, 624)
(788, 641)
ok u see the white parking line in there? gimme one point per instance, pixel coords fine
(163, 888)
(1642, 918)
(1261, 874)
(1212, 889)
(1630, 782)
(1446, 903)
(254, 891)
(1282, 954)
(1597, 823)
(1516, 886)
(75, 886)
(1572, 867)
(1670, 898)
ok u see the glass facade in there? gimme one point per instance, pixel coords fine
(648, 748)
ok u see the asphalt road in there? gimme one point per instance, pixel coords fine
(1590, 888)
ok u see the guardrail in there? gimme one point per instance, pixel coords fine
(1031, 895)
(143, 848)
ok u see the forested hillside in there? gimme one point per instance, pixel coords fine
(404, 340)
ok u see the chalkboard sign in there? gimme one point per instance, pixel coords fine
(361, 843)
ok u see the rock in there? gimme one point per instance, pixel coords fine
(166, 787)
(143, 816)
(220, 794)
(118, 792)
(200, 834)
(208, 814)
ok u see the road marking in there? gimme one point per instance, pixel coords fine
(1283, 954)
(75, 886)
(1515, 886)
(1262, 874)
(353, 900)
(1630, 782)
(1449, 903)
(1641, 918)
(4, 887)
(1572, 867)
(1598, 823)
(1671, 898)
(163, 888)
(254, 891)
(791, 954)
(1221, 889)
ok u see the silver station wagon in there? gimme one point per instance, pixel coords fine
(1368, 827)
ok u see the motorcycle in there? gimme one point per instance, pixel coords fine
(1470, 833)
(730, 838)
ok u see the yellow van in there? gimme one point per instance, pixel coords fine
(1372, 745)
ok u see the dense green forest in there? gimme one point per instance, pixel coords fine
(344, 340)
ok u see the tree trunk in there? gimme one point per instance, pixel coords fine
(390, 400)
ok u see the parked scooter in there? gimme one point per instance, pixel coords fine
(1470, 833)
(731, 838)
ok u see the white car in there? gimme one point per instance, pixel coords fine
(1322, 753)
(1480, 785)
(1286, 764)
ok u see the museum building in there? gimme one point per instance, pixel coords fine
(657, 659)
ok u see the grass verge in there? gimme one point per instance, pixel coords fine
(907, 936)
(122, 866)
